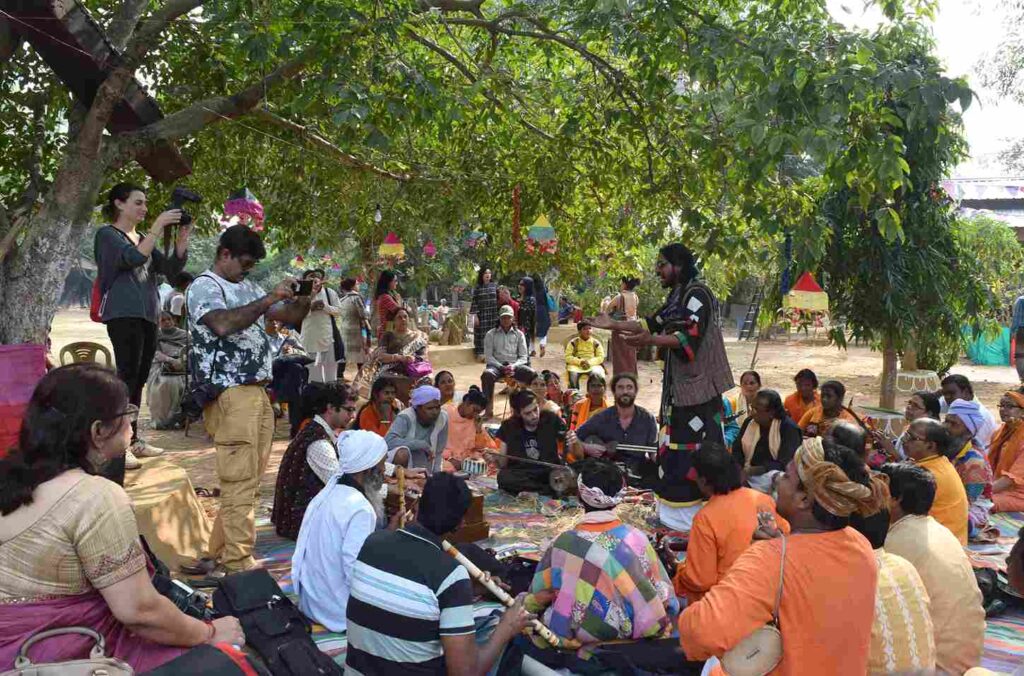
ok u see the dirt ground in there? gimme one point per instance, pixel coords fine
(777, 361)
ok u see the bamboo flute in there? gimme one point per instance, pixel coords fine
(400, 473)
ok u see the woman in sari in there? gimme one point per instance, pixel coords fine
(397, 350)
(624, 308)
(743, 401)
(444, 381)
(1006, 454)
(539, 386)
(593, 402)
(484, 308)
(70, 552)
(386, 303)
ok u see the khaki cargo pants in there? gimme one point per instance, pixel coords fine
(241, 422)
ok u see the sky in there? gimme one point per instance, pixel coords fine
(965, 32)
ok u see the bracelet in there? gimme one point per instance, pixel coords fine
(213, 631)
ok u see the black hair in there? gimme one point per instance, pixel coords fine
(935, 432)
(805, 374)
(850, 435)
(56, 431)
(183, 279)
(315, 271)
(384, 282)
(624, 376)
(239, 240)
(757, 376)
(596, 378)
(540, 293)
(960, 381)
(681, 257)
(582, 325)
(379, 384)
(599, 473)
(521, 399)
(480, 274)
(550, 375)
(716, 466)
(931, 403)
(348, 284)
(527, 286)
(854, 468)
(874, 527)
(437, 377)
(475, 397)
(444, 503)
(837, 387)
(316, 397)
(911, 485)
(773, 402)
(630, 283)
(120, 193)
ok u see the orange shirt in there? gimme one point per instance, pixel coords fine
(582, 411)
(827, 610)
(370, 421)
(796, 407)
(721, 531)
(813, 422)
(950, 505)
(463, 437)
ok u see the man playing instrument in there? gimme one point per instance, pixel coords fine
(696, 375)
(531, 434)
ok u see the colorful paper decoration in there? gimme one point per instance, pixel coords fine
(806, 294)
(475, 240)
(541, 237)
(243, 205)
(429, 250)
(391, 247)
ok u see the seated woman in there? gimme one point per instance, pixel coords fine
(816, 421)
(724, 526)
(602, 580)
(466, 435)
(166, 383)
(398, 350)
(539, 387)
(1006, 454)
(767, 441)
(554, 392)
(806, 396)
(71, 553)
(445, 382)
(743, 400)
(532, 434)
(377, 414)
(593, 403)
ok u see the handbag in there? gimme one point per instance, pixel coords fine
(96, 663)
(200, 394)
(418, 369)
(761, 651)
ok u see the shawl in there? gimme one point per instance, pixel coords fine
(753, 435)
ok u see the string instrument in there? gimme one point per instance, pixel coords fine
(503, 596)
(562, 478)
(400, 473)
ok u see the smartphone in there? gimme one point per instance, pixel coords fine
(304, 287)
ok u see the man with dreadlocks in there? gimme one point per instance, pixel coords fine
(696, 374)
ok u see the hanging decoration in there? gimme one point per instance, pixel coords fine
(516, 215)
(243, 206)
(475, 240)
(429, 250)
(391, 249)
(325, 262)
(541, 237)
(806, 305)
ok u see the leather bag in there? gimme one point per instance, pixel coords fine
(761, 651)
(97, 664)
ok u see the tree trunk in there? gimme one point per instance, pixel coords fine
(909, 361)
(887, 399)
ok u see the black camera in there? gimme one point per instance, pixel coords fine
(179, 196)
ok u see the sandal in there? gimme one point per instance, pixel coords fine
(207, 492)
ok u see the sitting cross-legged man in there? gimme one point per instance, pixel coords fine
(419, 434)
(531, 434)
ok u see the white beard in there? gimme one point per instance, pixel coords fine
(372, 490)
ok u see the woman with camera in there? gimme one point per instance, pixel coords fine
(70, 552)
(127, 264)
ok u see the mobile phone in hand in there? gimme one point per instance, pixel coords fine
(304, 287)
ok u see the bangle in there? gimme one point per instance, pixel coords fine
(213, 631)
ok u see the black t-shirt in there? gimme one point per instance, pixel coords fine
(540, 444)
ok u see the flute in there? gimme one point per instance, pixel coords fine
(400, 473)
(503, 596)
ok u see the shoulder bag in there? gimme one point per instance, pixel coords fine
(96, 663)
(761, 651)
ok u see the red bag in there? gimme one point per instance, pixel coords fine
(21, 367)
(96, 302)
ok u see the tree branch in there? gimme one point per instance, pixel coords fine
(145, 37)
(469, 6)
(317, 141)
(123, 23)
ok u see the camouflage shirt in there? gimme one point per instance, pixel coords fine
(242, 358)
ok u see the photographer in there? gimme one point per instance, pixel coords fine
(127, 264)
(231, 352)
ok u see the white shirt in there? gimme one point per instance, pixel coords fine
(321, 455)
(317, 335)
(336, 523)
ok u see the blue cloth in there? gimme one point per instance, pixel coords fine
(730, 425)
(1018, 314)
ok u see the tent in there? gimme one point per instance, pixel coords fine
(806, 294)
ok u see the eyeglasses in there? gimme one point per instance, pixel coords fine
(910, 436)
(132, 412)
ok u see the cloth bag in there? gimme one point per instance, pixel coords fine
(761, 651)
(418, 369)
(96, 663)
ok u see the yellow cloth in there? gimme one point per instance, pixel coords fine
(901, 636)
(957, 614)
(578, 350)
(753, 435)
(950, 506)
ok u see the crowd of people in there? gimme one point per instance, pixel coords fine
(795, 514)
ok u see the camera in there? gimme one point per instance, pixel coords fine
(179, 196)
(303, 287)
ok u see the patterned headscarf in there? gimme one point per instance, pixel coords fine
(595, 497)
(831, 488)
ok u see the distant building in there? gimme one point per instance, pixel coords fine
(1000, 197)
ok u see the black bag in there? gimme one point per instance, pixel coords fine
(210, 660)
(273, 626)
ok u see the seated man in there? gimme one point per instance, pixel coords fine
(419, 434)
(624, 423)
(504, 352)
(817, 420)
(338, 521)
(767, 442)
(602, 580)
(377, 413)
(806, 395)
(825, 616)
(311, 458)
(466, 436)
(963, 420)
(925, 443)
(583, 354)
(410, 610)
(723, 528)
(166, 383)
(902, 635)
(958, 617)
(532, 434)
(955, 387)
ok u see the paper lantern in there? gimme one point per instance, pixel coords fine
(541, 237)
(429, 250)
(391, 246)
(244, 206)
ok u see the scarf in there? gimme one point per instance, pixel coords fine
(1007, 442)
(753, 435)
(831, 488)
(595, 497)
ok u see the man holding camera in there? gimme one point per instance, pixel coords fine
(231, 354)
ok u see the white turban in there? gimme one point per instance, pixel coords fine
(359, 450)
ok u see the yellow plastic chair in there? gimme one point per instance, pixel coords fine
(84, 352)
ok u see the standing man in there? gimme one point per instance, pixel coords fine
(419, 434)
(504, 351)
(696, 374)
(231, 351)
(1017, 331)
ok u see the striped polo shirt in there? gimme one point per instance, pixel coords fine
(406, 594)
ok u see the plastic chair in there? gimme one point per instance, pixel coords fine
(84, 352)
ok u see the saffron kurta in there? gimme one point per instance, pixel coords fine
(1007, 460)
(815, 424)
(825, 616)
(902, 638)
(950, 505)
(721, 531)
(464, 437)
(796, 407)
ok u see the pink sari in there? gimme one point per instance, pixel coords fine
(19, 621)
